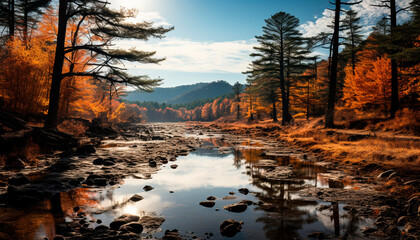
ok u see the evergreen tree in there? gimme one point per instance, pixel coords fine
(237, 89)
(352, 37)
(392, 47)
(104, 25)
(279, 55)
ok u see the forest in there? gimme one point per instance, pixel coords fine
(320, 140)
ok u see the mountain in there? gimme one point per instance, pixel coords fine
(182, 94)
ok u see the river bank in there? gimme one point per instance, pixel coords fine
(92, 194)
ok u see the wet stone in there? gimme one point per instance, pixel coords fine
(230, 228)
(136, 198)
(123, 219)
(151, 222)
(133, 227)
(236, 207)
(208, 204)
(148, 188)
(211, 198)
(244, 191)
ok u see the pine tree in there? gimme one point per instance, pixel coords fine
(353, 36)
(104, 25)
(237, 89)
(278, 56)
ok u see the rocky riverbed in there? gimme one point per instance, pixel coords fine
(284, 181)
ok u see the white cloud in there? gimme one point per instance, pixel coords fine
(139, 6)
(321, 24)
(369, 14)
(195, 56)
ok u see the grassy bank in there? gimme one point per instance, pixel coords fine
(372, 151)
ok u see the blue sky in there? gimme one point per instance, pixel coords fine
(212, 39)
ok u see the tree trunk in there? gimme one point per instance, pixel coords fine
(25, 23)
(52, 117)
(11, 21)
(274, 112)
(394, 68)
(285, 103)
(237, 111)
(251, 117)
(329, 115)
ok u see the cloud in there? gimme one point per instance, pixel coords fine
(149, 16)
(195, 56)
(369, 14)
(310, 29)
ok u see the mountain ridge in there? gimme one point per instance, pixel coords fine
(182, 94)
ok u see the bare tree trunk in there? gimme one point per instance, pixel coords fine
(274, 113)
(394, 67)
(52, 117)
(12, 21)
(332, 89)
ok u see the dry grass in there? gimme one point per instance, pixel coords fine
(73, 127)
(332, 145)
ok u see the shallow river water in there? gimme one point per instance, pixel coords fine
(211, 172)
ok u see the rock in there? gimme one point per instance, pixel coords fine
(123, 219)
(76, 209)
(174, 166)
(211, 198)
(148, 188)
(229, 198)
(392, 230)
(14, 163)
(236, 207)
(231, 193)
(247, 202)
(133, 227)
(402, 221)
(102, 182)
(230, 228)
(151, 222)
(415, 183)
(152, 163)
(393, 175)
(102, 229)
(171, 235)
(413, 205)
(244, 191)
(86, 149)
(369, 230)
(19, 180)
(410, 228)
(98, 161)
(318, 235)
(208, 204)
(108, 163)
(59, 237)
(136, 198)
(385, 174)
(332, 183)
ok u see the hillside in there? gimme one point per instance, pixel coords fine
(182, 94)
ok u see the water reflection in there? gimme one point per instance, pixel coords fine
(41, 219)
(280, 214)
